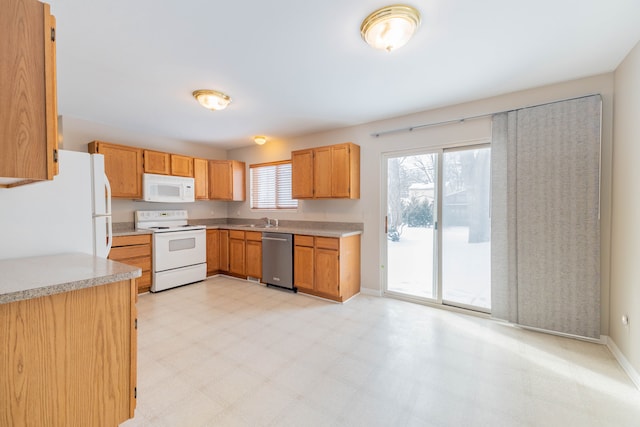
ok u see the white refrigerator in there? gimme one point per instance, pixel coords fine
(71, 213)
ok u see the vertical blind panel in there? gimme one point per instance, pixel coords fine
(504, 290)
(557, 225)
(271, 187)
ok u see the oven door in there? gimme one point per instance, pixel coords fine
(176, 249)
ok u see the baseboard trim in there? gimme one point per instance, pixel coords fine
(624, 363)
(372, 292)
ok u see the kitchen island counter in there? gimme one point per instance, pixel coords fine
(33, 277)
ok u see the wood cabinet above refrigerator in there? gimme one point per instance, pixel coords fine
(29, 119)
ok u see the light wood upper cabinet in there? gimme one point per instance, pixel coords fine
(326, 172)
(29, 119)
(322, 172)
(345, 171)
(157, 162)
(201, 175)
(123, 166)
(181, 165)
(302, 174)
(227, 180)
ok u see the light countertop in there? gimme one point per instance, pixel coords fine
(310, 228)
(33, 277)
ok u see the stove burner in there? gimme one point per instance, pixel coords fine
(160, 228)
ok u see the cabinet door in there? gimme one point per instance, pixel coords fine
(213, 251)
(181, 165)
(327, 272)
(254, 258)
(322, 172)
(123, 166)
(201, 175)
(237, 256)
(238, 181)
(29, 119)
(220, 176)
(71, 358)
(302, 174)
(340, 176)
(157, 162)
(224, 250)
(303, 267)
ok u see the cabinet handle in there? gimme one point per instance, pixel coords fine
(53, 34)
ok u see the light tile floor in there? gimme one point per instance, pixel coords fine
(226, 352)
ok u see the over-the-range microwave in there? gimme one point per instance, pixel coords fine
(167, 189)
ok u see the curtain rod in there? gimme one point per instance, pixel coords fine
(463, 119)
(426, 125)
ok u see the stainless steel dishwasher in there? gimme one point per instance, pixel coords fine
(277, 260)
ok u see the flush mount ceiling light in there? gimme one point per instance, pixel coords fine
(390, 27)
(259, 139)
(212, 99)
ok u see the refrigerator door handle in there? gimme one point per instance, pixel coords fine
(107, 186)
(109, 233)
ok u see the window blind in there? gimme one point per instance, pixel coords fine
(271, 186)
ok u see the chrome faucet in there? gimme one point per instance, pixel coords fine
(268, 222)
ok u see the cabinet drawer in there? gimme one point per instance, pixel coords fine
(143, 263)
(327, 243)
(134, 239)
(253, 235)
(301, 240)
(236, 234)
(125, 252)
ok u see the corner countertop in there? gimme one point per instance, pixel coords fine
(309, 231)
(310, 228)
(33, 277)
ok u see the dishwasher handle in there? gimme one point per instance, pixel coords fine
(277, 239)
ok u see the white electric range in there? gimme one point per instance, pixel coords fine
(179, 249)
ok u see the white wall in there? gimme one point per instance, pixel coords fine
(368, 208)
(76, 133)
(625, 234)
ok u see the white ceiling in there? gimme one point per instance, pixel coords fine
(294, 67)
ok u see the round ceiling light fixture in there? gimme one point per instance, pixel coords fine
(259, 139)
(390, 27)
(212, 99)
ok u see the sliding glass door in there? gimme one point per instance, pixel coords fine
(411, 236)
(466, 228)
(438, 226)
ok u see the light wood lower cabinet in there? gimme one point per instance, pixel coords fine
(253, 256)
(327, 267)
(213, 252)
(70, 359)
(224, 251)
(134, 249)
(236, 252)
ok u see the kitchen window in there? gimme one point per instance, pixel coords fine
(271, 186)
